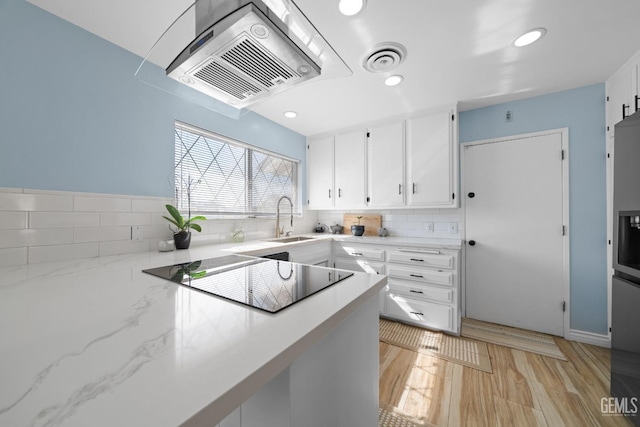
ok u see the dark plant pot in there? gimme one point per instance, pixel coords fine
(182, 239)
(357, 230)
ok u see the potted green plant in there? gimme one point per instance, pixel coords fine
(357, 229)
(182, 237)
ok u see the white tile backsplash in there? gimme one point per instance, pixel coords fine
(123, 247)
(38, 226)
(409, 222)
(38, 254)
(35, 202)
(102, 234)
(109, 219)
(13, 220)
(13, 256)
(39, 237)
(101, 204)
(149, 205)
(63, 219)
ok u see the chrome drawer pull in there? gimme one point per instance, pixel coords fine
(417, 275)
(416, 259)
(415, 292)
(357, 254)
(416, 312)
(419, 251)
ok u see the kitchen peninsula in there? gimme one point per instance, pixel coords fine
(98, 342)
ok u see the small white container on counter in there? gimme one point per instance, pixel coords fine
(166, 245)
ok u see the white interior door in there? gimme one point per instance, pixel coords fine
(515, 263)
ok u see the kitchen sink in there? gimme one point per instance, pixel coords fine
(291, 239)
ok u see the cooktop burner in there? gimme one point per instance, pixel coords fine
(265, 284)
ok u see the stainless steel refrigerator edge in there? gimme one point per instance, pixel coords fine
(625, 305)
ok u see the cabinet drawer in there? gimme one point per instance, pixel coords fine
(422, 275)
(434, 259)
(421, 291)
(346, 250)
(354, 264)
(425, 313)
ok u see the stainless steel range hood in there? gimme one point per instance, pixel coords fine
(242, 54)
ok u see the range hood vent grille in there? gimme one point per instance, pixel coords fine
(257, 64)
(225, 80)
(242, 58)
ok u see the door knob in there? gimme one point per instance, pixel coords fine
(472, 195)
(472, 242)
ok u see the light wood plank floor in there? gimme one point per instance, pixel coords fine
(525, 389)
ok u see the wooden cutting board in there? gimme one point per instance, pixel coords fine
(371, 223)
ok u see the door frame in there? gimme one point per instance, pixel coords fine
(566, 253)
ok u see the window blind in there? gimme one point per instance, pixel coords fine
(223, 176)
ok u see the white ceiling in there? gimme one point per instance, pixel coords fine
(458, 50)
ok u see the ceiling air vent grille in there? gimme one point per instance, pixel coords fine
(257, 63)
(219, 77)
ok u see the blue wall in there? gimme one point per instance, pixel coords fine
(74, 117)
(583, 112)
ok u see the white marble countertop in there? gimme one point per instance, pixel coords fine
(258, 246)
(99, 343)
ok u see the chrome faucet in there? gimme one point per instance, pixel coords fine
(279, 231)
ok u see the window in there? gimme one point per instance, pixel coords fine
(224, 176)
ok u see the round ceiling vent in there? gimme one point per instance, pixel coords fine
(385, 57)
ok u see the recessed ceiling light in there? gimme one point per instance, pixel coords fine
(351, 7)
(529, 37)
(290, 114)
(394, 80)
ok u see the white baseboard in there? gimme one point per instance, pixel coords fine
(589, 338)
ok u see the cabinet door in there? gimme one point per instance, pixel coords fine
(350, 175)
(359, 265)
(424, 313)
(619, 97)
(430, 160)
(320, 173)
(386, 165)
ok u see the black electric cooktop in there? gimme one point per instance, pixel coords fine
(265, 284)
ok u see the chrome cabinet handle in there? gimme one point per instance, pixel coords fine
(419, 251)
(415, 292)
(417, 259)
(357, 254)
(416, 312)
(329, 193)
(417, 275)
(414, 188)
(399, 188)
(339, 192)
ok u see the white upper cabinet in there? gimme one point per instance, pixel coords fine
(430, 160)
(619, 97)
(410, 162)
(386, 165)
(350, 170)
(320, 160)
(623, 90)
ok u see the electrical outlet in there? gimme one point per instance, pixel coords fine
(453, 227)
(508, 116)
(429, 227)
(136, 233)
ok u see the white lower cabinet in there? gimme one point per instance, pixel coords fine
(423, 313)
(423, 286)
(318, 253)
(368, 259)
